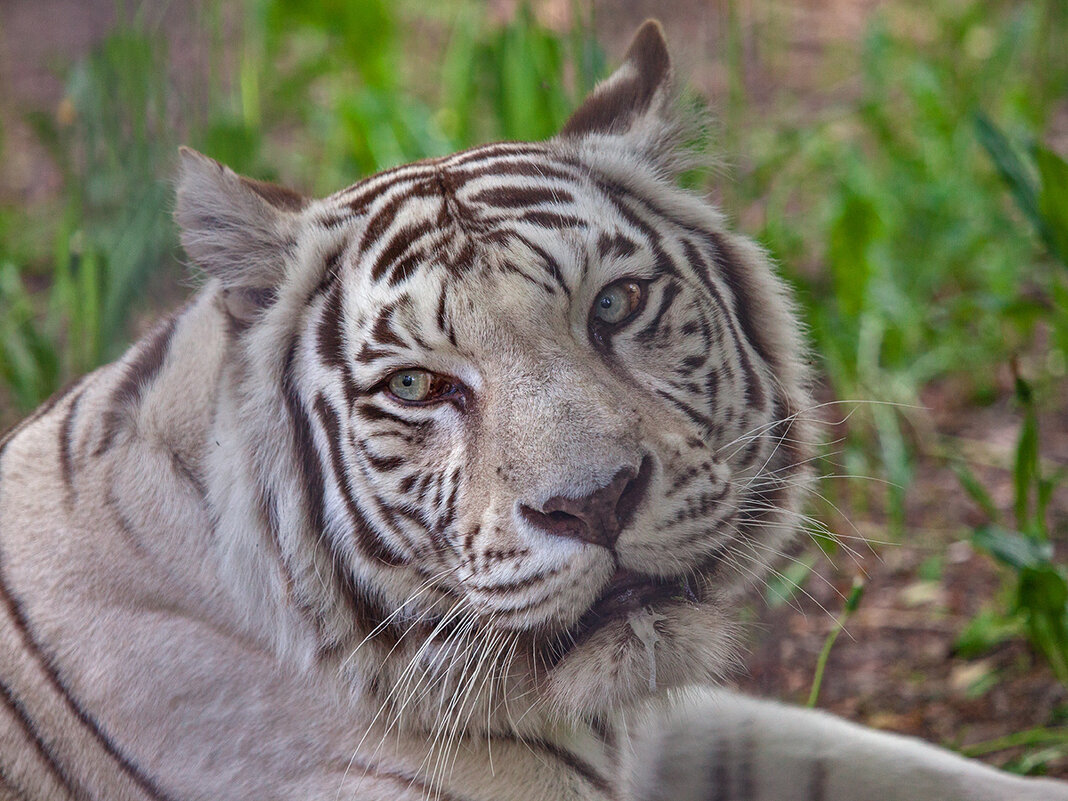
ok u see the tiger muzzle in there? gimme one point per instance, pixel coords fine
(597, 518)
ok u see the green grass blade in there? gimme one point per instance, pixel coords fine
(1053, 199)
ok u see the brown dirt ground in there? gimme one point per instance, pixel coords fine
(895, 666)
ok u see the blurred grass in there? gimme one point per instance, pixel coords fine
(909, 257)
(917, 207)
(314, 93)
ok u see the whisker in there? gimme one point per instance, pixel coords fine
(416, 594)
(382, 707)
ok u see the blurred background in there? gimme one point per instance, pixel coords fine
(903, 162)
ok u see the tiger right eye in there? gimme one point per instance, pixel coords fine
(411, 385)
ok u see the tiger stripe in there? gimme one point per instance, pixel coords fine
(63, 780)
(66, 457)
(313, 490)
(139, 372)
(369, 543)
(817, 785)
(50, 670)
(572, 761)
(38, 413)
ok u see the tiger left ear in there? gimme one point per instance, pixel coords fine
(634, 101)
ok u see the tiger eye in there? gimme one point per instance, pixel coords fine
(411, 385)
(617, 302)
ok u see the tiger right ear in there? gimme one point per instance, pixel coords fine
(236, 229)
(634, 102)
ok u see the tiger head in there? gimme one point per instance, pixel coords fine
(504, 432)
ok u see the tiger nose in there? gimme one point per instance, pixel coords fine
(599, 517)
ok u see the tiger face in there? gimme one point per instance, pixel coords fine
(534, 419)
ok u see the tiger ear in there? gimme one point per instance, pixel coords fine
(236, 229)
(634, 102)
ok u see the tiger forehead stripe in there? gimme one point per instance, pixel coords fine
(542, 169)
(616, 246)
(400, 237)
(382, 217)
(369, 188)
(520, 195)
(358, 197)
(499, 150)
(420, 238)
(382, 330)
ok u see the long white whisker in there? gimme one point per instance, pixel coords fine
(421, 590)
(385, 703)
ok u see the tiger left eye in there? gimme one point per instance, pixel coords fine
(617, 302)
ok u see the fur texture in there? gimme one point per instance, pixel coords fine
(426, 494)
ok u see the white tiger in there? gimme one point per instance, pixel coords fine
(441, 487)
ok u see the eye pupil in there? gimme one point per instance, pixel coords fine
(606, 302)
(408, 380)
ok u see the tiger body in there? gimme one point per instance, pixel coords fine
(242, 563)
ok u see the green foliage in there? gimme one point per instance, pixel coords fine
(1038, 591)
(1053, 199)
(1038, 588)
(1039, 189)
(893, 222)
(316, 90)
(1052, 743)
(852, 602)
(116, 233)
(110, 140)
(495, 82)
(29, 362)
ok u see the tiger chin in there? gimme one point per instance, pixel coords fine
(441, 487)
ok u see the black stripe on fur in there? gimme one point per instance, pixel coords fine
(51, 672)
(44, 752)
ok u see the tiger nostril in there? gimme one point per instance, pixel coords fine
(558, 522)
(599, 517)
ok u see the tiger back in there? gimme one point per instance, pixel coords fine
(444, 486)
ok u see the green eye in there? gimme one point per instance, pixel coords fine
(422, 386)
(618, 301)
(412, 385)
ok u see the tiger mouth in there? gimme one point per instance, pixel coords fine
(625, 594)
(628, 592)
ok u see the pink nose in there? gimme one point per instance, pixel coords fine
(597, 518)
